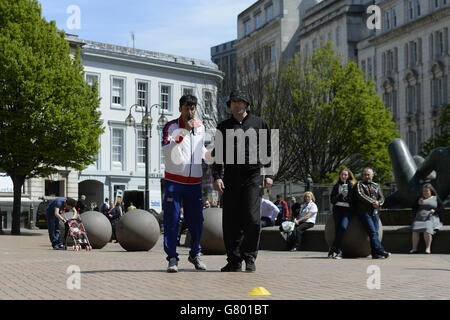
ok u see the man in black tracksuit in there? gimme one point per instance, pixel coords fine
(241, 182)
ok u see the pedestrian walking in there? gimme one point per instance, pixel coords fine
(239, 179)
(183, 147)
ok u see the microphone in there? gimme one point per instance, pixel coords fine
(190, 117)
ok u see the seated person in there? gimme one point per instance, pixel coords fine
(269, 213)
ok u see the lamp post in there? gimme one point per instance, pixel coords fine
(147, 124)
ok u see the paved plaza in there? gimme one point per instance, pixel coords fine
(31, 270)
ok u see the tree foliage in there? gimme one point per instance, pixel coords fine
(49, 114)
(328, 116)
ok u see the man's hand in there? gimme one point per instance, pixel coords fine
(268, 183)
(219, 186)
(190, 125)
(376, 205)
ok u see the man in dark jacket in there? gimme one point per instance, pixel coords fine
(368, 199)
(241, 182)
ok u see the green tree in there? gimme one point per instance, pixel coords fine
(49, 114)
(442, 137)
(328, 116)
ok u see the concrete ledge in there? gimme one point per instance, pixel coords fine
(396, 239)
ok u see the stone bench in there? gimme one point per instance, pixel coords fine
(396, 239)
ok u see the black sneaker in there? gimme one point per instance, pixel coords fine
(385, 254)
(232, 267)
(250, 265)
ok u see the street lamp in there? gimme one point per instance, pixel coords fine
(147, 124)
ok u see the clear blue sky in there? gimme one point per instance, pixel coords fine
(181, 27)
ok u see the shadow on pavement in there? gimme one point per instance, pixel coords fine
(146, 271)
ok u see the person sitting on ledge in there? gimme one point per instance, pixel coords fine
(340, 198)
(368, 199)
(305, 220)
(428, 208)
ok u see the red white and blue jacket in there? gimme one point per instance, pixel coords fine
(183, 151)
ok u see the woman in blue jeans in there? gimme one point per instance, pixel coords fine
(342, 209)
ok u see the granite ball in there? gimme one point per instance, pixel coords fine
(137, 230)
(98, 228)
(212, 236)
(355, 242)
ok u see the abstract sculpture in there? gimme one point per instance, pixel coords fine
(411, 173)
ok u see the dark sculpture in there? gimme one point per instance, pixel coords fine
(411, 173)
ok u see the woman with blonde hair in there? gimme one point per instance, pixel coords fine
(305, 220)
(340, 198)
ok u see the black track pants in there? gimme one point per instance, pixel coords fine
(241, 217)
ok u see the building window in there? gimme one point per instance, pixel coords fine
(248, 27)
(269, 13)
(418, 11)
(369, 66)
(208, 103)
(161, 154)
(273, 54)
(439, 91)
(118, 92)
(338, 36)
(363, 67)
(411, 99)
(258, 20)
(413, 53)
(394, 18)
(140, 152)
(436, 4)
(412, 144)
(92, 79)
(187, 91)
(117, 148)
(440, 43)
(410, 10)
(142, 93)
(388, 20)
(165, 97)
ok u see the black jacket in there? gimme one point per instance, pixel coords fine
(365, 194)
(252, 148)
(336, 197)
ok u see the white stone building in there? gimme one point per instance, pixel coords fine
(272, 26)
(125, 77)
(412, 70)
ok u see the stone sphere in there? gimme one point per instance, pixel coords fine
(355, 242)
(212, 236)
(97, 226)
(137, 230)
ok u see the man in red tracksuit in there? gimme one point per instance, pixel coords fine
(183, 148)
